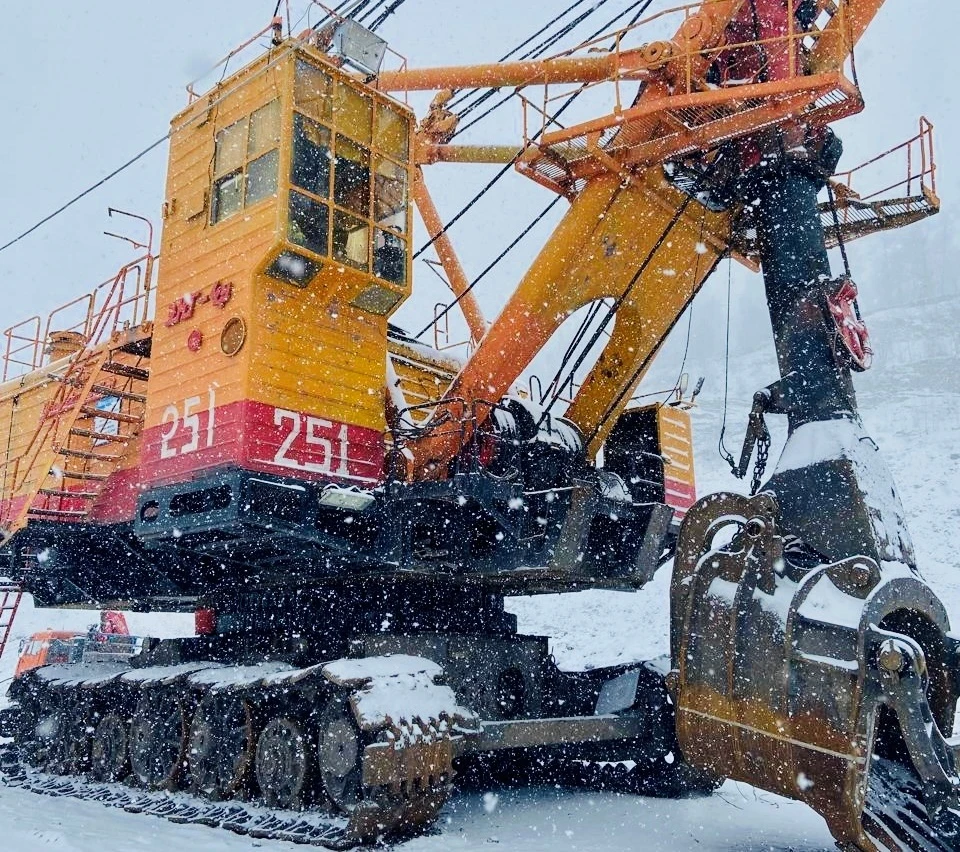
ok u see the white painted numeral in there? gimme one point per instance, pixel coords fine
(190, 420)
(171, 414)
(317, 433)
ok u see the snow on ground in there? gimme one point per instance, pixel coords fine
(735, 819)
(914, 415)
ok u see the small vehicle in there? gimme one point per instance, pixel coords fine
(108, 641)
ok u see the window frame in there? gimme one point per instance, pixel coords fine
(219, 177)
(340, 211)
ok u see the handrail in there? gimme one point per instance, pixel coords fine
(120, 302)
(919, 146)
(793, 44)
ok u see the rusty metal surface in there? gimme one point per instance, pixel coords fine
(780, 668)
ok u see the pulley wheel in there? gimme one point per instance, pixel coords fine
(282, 763)
(221, 746)
(109, 754)
(340, 754)
(158, 740)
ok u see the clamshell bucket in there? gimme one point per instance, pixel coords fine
(834, 684)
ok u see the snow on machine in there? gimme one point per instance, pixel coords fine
(241, 431)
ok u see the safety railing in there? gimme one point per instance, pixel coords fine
(124, 301)
(275, 30)
(917, 170)
(732, 61)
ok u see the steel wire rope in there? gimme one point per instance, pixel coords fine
(102, 181)
(538, 50)
(489, 266)
(368, 11)
(700, 249)
(556, 386)
(463, 95)
(489, 185)
(725, 454)
(502, 172)
(634, 377)
(385, 14)
(513, 160)
(85, 192)
(613, 308)
(616, 305)
(506, 98)
(578, 336)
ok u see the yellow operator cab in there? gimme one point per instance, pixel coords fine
(286, 246)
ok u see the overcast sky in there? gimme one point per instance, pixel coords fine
(88, 85)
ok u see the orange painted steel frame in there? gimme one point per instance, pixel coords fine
(36, 650)
(610, 244)
(293, 393)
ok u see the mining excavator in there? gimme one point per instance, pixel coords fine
(241, 431)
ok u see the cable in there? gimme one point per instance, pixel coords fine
(502, 101)
(490, 266)
(488, 186)
(86, 192)
(542, 48)
(637, 373)
(841, 244)
(467, 93)
(368, 12)
(555, 384)
(471, 92)
(725, 454)
(386, 14)
(510, 164)
(103, 180)
(696, 271)
(612, 310)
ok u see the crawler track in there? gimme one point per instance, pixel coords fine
(308, 827)
(268, 751)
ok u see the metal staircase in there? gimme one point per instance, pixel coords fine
(96, 410)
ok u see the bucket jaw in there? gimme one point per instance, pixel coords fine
(832, 683)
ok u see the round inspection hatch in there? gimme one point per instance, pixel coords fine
(233, 335)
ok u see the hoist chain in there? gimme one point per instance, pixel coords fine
(763, 452)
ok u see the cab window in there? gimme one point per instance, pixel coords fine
(349, 173)
(246, 162)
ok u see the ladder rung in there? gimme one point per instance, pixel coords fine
(59, 492)
(88, 477)
(110, 415)
(99, 436)
(87, 454)
(106, 390)
(128, 372)
(58, 513)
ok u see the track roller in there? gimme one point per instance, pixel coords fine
(339, 753)
(109, 750)
(284, 763)
(221, 746)
(158, 739)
